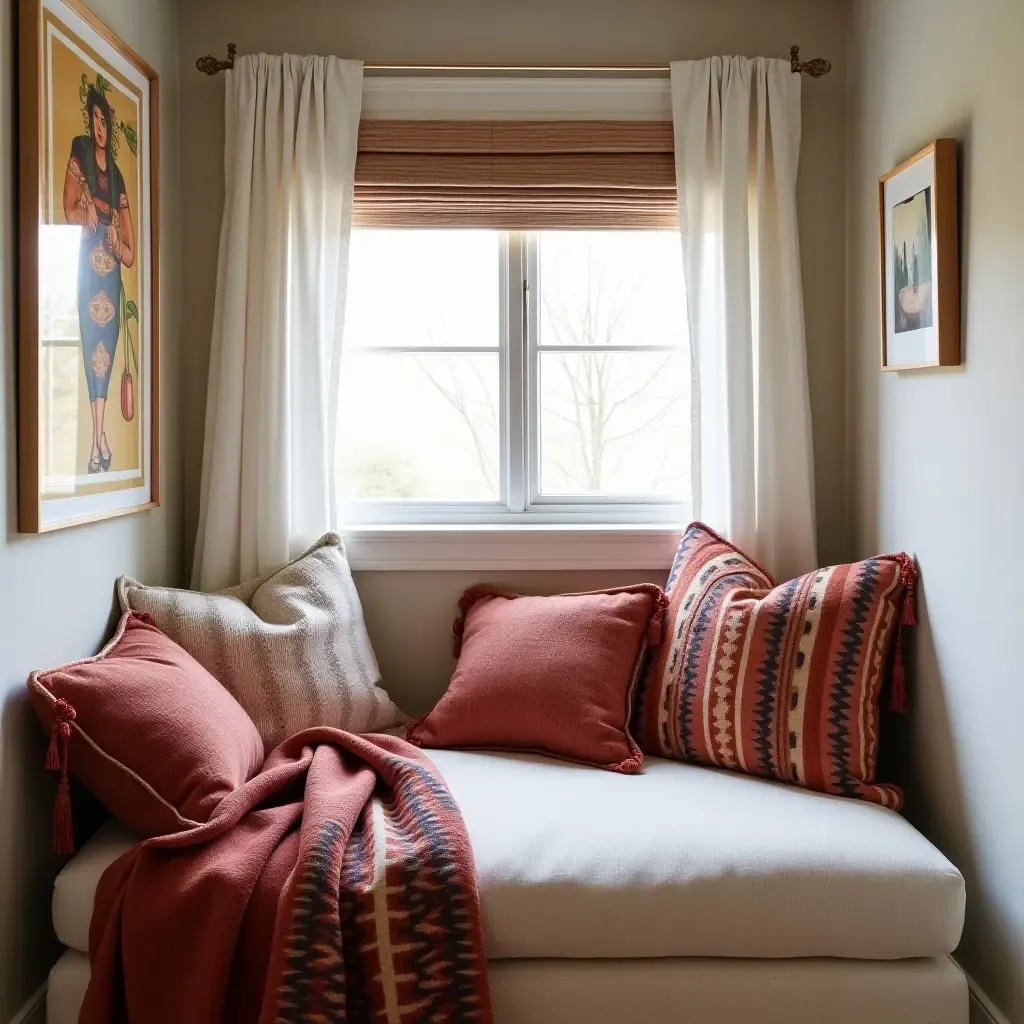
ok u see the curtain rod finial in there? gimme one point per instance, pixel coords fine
(210, 65)
(815, 68)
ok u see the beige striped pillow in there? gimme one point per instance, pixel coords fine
(291, 647)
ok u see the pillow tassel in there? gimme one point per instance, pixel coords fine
(63, 831)
(908, 617)
(909, 574)
(654, 627)
(52, 757)
(57, 760)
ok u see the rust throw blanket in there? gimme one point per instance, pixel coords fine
(337, 885)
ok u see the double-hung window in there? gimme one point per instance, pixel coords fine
(515, 345)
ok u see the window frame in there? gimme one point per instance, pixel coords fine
(520, 501)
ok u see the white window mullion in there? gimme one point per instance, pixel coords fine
(531, 361)
(513, 386)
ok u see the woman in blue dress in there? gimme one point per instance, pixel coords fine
(95, 199)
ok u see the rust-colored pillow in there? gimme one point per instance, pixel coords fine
(553, 675)
(145, 727)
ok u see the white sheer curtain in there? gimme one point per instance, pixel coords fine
(268, 460)
(737, 137)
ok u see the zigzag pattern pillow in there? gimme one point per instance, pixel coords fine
(778, 681)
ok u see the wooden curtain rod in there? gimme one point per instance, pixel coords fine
(210, 65)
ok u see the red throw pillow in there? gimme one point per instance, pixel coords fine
(154, 736)
(779, 681)
(548, 674)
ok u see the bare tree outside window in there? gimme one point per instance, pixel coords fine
(594, 394)
(607, 372)
(611, 385)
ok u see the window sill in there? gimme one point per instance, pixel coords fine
(500, 547)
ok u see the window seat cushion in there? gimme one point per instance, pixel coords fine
(677, 861)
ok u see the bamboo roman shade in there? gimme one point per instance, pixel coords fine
(516, 175)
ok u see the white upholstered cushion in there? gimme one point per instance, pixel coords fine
(74, 890)
(690, 861)
(678, 861)
(693, 991)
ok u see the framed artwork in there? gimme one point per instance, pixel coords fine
(88, 374)
(917, 207)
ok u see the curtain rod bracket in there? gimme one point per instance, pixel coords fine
(815, 68)
(210, 65)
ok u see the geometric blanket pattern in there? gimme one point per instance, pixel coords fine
(777, 681)
(338, 885)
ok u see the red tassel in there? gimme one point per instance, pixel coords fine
(57, 757)
(909, 574)
(654, 627)
(909, 616)
(52, 757)
(898, 685)
(63, 830)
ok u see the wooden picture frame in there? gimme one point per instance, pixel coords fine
(89, 271)
(919, 260)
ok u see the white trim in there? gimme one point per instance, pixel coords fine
(30, 1010)
(513, 395)
(983, 1010)
(497, 547)
(531, 362)
(559, 511)
(469, 97)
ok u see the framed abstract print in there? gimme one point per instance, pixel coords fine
(917, 207)
(88, 375)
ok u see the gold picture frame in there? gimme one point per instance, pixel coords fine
(919, 260)
(89, 271)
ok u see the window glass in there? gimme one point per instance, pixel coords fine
(614, 375)
(514, 371)
(419, 394)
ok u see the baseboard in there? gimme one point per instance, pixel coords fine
(983, 1010)
(34, 1010)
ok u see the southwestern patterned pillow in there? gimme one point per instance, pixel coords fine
(779, 681)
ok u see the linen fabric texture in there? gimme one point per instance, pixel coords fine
(290, 646)
(267, 489)
(548, 674)
(779, 681)
(737, 139)
(584, 864)
(149, 731)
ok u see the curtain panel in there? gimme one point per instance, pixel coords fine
(516, 175)
(737, 145)
(268, 476)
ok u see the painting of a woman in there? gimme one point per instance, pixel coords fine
(89, 311)
(95, 198)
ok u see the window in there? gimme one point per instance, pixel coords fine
(492, 376)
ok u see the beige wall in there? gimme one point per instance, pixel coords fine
(409, 613)
(937, 457)
(56, 592)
